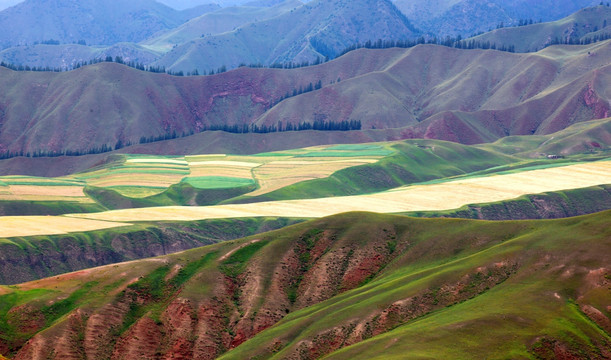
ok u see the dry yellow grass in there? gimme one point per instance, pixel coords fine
(444, 196)
(49, 225)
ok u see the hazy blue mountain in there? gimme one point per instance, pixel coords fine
(6, 3)
(92, 21)
(578, 27)
(217, 22)
(314, 30)
(186, 4)
(65, 56)
(466, 17)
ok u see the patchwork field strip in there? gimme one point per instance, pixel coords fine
(12, 226)
(278, 174)
(443, 196)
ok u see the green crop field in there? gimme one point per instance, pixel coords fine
(217, 182)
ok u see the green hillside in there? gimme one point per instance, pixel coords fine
(355, 285)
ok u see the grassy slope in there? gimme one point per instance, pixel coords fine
(535, 37)
(11, 208)
(414, 161)
(550, 258)
(35, 257)
(441, 289)
(587, 137)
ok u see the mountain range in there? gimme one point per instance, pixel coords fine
(246, 32)
(338, 179)
(403, 93)
(468, 17)
(103, 22)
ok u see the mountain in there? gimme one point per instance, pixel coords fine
(402, 93)
(585, 24)
(217, 22)
(318, 29)
(8, 3)
(356, 285)
(95, 22)
(66, 56)
(467, 17)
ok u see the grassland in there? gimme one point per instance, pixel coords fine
(438, 288)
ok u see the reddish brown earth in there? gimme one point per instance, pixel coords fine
(468, 96)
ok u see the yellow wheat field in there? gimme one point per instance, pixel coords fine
(68, 191)
(49, 225)
(434, 197)
(239, 169)
(430, 197)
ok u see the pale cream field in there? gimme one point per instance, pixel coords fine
(11, 226)
(44, 193)
(442, 196)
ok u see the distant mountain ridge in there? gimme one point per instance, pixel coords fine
(217, 22)
(318, 29)
(96, 22)
(585, 24)
(467, 17)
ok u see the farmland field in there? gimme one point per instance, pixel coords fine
(143, 176)
(432, 197)
(11, 226)
(391, 177)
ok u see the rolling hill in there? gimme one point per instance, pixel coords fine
(356, 285)
(314, 30)
(584, 24)
(104, 22)
(467, 17)
(401, 93)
